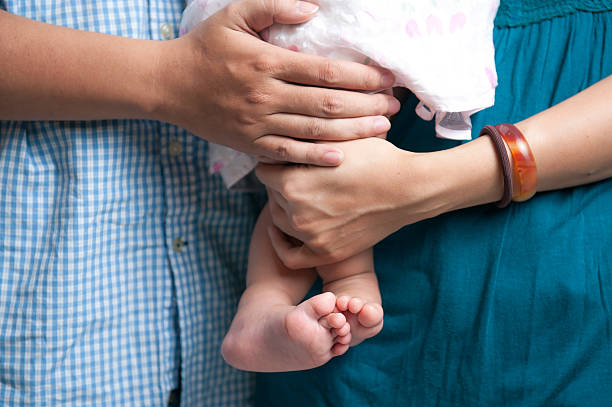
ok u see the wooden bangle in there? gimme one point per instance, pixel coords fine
(500, 147)
(524, 171)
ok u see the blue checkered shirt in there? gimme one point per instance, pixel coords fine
(121, 259)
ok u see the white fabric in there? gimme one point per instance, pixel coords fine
(442, 50)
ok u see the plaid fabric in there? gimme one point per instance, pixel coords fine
(121, 259)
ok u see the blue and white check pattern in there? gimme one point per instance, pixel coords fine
(121, 259)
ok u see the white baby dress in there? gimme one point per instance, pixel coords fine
(442, 50)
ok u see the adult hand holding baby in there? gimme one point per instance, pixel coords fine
(379, 188)
(338, 212)
(237, 90)
(221, 82)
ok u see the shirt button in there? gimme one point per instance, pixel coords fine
(167, 31)
(178, 244)
(175, 148)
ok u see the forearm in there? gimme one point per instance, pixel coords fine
(379, 188)
(266, 273)
(571, 143)
(56, 73)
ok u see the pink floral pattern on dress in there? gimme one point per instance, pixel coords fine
(434, 25)
(442, 50)
(412, 29)
(457, 22)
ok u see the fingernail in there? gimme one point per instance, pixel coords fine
(333, 157)
(381, 125)
(305, 7)
(388, 80)
(394, 107)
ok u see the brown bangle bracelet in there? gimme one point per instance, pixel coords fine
(524, 171)
(500, 147)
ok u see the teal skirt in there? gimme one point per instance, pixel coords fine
(490, 307)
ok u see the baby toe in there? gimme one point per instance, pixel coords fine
(336, 320)
(371, 314)
(322, 304)
(342, 302)
(339, 349)
(343, 330)
(344, 340)
(355, 305)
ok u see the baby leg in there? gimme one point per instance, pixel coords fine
(269, 332)
(356, 287)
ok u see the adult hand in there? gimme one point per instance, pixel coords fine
(228, 86)
(338, 212)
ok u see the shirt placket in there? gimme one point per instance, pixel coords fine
(162, 22)
(182, 192)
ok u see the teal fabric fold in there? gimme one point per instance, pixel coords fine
(490, 307)
(513, 13)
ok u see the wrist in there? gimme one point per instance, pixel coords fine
(423, 186)
(457, 178)
(177, 72)
(126, 82)
(477, 174)
(152, 101)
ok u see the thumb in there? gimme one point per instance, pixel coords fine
(258, 15)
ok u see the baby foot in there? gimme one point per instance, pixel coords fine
(316, 331)
(364, 318)
(287, 338)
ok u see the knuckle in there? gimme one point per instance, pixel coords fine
(299, 223)
(258, 97)
(287, 190)
(361, 128)
(332, 105)
(314, 130)
(311, 154)
(295, 221)
(265, 64)
(319, 245)
(281, 151)
(371, 80)
(290, 262)
(246, 119)
(329, 73)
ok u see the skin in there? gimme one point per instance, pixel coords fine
(274, 331)
(269, 333)
(224, 84)
(221, 82)
(339, 212)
